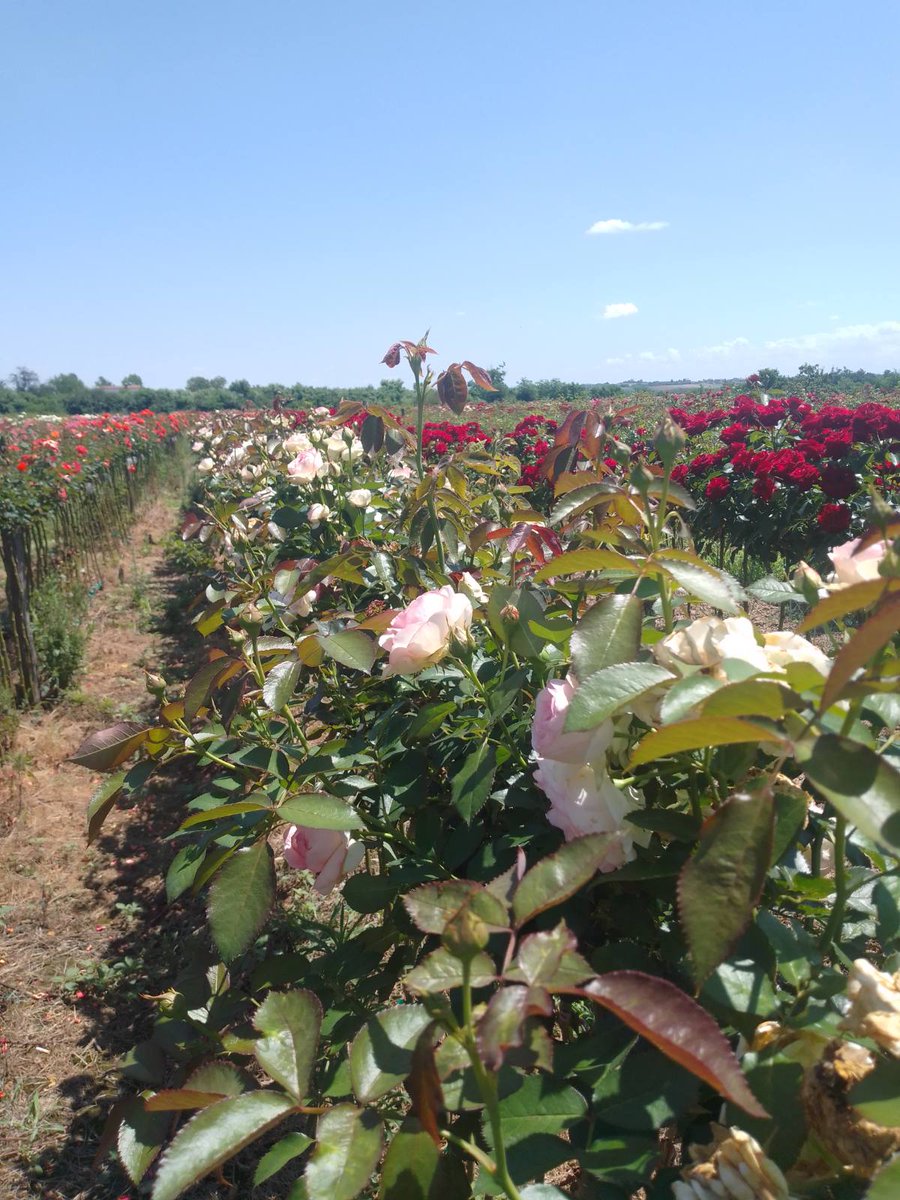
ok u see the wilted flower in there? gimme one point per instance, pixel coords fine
(733, 1167)
(328, 853)
(421, 634)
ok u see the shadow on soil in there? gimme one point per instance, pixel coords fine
(151, 945)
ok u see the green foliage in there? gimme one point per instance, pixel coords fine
(58, 615)
(567, 839)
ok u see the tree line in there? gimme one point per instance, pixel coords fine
(24, 392)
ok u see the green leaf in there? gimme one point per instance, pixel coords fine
(748, 698)
(577, 562)
(414, 1169)
(214, 1135)
(440, 971)
(790, 817)
(203, 683)
(290, 1147)
(886, 1184)
(862, 785)
(607, 634)
(140, 1137)
(609, 689)
(381, 1053)
(182, 870)
(550, 959)
(559, 876)
(721, 883)
(108, 748)
(540, 1105)
(290, 1022)
(240, 898)
(712, 587)
(877, 1096)
(474, 781)
(698, 733)
(102, 802)
(280, 683)
(677, 1026)
(686, 694)
(434, 905)
(775, 591)
(502, 1026)
(316, 810)
(348, 1146)
(351, 648)
(221, 1077)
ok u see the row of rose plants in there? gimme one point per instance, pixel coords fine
(605, 882)
(68, 490)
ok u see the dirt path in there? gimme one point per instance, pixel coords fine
(70, 914)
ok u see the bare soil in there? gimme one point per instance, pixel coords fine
(72, 914)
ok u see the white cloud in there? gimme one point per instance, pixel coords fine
(725, 348)
(617, 360)
(616, 225)
(884, 334)
(661, 356)
(626, 309)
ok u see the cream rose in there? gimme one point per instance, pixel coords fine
(328, 853)
(421, 634)
(707, 642)
(850, 567)
(359, 497)
(316, 513)
(783, 647)
(583, 800)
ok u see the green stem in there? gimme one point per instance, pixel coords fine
(487, 1086)
(841, 891)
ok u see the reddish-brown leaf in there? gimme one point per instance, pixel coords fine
(479, 376)
(569, 432)
(108, 748)
(452, 388)
(392, 358)
(676, 1025)
(424, 1087)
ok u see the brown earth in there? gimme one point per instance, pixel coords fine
(72, 915)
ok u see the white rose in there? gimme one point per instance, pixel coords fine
(585, 800)
(470, 586)
(707, 642)
(307, 466)
(205, 465)
(317, 513)
(401, 472)
(783, 647)
(852, 567)
(296, 443)
(359, 497)
(321, 411)
(340, 448)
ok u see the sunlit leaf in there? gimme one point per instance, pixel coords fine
(608, 633)
(381, 1053)
(240, 899)
(289, 1022)
(559, 876)
(606, 691)
(697, 734)
(862, 785)
(348, 1146)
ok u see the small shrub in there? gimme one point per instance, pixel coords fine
(57, 614)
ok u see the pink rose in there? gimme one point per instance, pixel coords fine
(850, 567)
(584, 800)
(421, 634)
(307, 466)
(547, 737)
(328, 853)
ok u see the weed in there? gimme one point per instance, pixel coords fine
(57, 613)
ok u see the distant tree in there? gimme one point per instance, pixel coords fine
(770, 378)
(240, 387)
(217, 381)
(131, 380)
(102, 381)
(391, 392)
(198, 383)
(526, 391)
(65, 384)
(810, 373)
(24, 379)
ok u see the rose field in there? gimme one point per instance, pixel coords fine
(517, 795)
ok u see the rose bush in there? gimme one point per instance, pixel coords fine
(614, 858)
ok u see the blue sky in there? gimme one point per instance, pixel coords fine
(279, 190)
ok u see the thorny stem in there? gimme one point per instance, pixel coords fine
(487, 1085)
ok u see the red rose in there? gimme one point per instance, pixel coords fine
(764, 488)
(804, 476)
(834, 518)
(838, 482)
(717, 488)
(679, 473)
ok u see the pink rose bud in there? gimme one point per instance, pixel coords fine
(328, 853)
